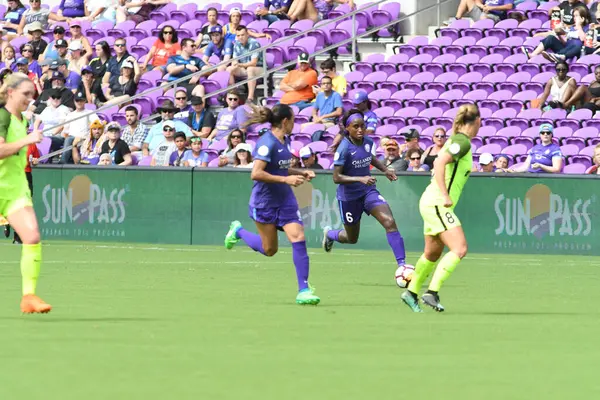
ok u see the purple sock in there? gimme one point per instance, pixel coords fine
(397, 244)
(252, 240)
(300, 257)
(334, 235)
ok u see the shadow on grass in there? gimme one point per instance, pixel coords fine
(51, 319)
(526, 313)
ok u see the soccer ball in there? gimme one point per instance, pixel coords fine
(404, 275)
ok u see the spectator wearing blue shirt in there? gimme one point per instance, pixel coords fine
(250, 64)
(155, 135)
(274, 10)
(218, 47)
(185, 64)
(113, 67)
(328, 106)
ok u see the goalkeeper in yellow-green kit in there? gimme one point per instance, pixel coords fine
(15, 197)
(442, 227)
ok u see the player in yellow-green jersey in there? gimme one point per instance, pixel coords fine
(15, 198)
(442, 227)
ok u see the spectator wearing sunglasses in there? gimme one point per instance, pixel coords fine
(185, 64)
(36, 13)
(113, 68)
(51, 52)
(558, 89)
(161, 154)
(32, 65)
(77, 35)
(166, 45)
(58, 84)
(229, 118)
(431, 153)
(413, 158)
(196, 157)
(156, 135)
(199, 119)
(53, 115)
(545, 157)
(181, 102)
(115, 146)
(235, 138)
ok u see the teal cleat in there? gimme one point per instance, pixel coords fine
(232, 238)
(411, 301)
(432, 299)
(327, 243)
(307, 296)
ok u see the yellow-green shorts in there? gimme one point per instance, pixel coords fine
(8, 207)
(437, 219)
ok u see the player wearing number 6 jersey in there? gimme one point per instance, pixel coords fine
(442, 227)
(356, 192)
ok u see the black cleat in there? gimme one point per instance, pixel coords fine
(6, 230)
(432, 300)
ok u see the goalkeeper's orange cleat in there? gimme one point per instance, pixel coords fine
(32, 304)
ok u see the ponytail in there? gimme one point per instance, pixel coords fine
(466, 114)
(275, 116)
(13, 81)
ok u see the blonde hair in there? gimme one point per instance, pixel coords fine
(466, 114)
(12, 81)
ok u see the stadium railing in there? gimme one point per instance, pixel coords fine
(353, 40)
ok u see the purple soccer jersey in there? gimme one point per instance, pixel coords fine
(356, 161)
(543, 155)
(278, 157)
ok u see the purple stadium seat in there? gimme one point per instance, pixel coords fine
(532, 113)
(575, 168)
(386, 130)
(476, 95)
(407, 112)
(456, 27)
(145, 161)
(555, 114)
(515, 149)
(384, 112)
(489, 148)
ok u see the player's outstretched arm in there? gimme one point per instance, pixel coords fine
(10, 149)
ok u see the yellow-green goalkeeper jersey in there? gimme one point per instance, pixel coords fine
(13, 182)
(457, 172)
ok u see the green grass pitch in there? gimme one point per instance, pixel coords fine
(175, 322)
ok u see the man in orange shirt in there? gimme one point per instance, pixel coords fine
(298, 84)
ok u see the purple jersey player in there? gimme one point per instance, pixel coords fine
(545, 157)
(273, 205)
(356, 192)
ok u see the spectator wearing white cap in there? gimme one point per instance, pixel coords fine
(251, 61)
(37, 41)
(274, 10)
(77, 127)
(486, 162)
(77, 60)
(218, 47)
(309, 158)
(328, 106)
(243, 156)
(155, 135)
(298, 84)
(123, 86)
(115, 146)
(235, 20)
(77, 35)
(162, 153)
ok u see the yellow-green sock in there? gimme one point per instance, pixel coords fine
(31, 262)
(447, 265)
(422, 271)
